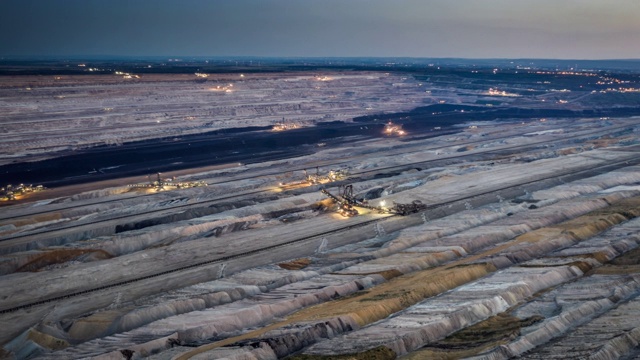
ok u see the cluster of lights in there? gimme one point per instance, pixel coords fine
(611, 81)
(89, 69)
(285, 126)
(496, 92)
(226, 89)
(621, 90)
(574, 73)
(127, 75)
(393, 129)
(11, 192)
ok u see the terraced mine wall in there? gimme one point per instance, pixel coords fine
(537, 249)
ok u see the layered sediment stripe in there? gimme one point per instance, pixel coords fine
(388, 299)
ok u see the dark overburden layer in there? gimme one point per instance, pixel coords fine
(447, 115)
(537, 89)
(147, 157)
(257, 144)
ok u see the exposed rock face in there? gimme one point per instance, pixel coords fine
(523, 251)
(173, 105)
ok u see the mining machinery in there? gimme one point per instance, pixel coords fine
(284, 125)
(406, 209)
(163, 184)
(312, 179)
(394, 129)
(347, 202)
(11, 192)
(316, 179)
(333, 175)
(347, 210)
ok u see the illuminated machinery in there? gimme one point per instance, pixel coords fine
(347, 202)
(11, 192)
(393, 129)
(284, 125)
(164, 184)
(333, 175)
(316, 179)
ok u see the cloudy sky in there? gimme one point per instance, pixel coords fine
(574, 29)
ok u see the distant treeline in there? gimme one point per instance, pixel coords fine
(188, 65)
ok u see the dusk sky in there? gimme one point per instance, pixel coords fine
(574, 29)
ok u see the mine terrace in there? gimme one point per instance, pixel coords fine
(363, 209)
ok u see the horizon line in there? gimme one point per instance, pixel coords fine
(227, 57)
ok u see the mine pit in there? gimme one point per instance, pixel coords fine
(519, 239)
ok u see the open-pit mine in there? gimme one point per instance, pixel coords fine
(437, 213)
